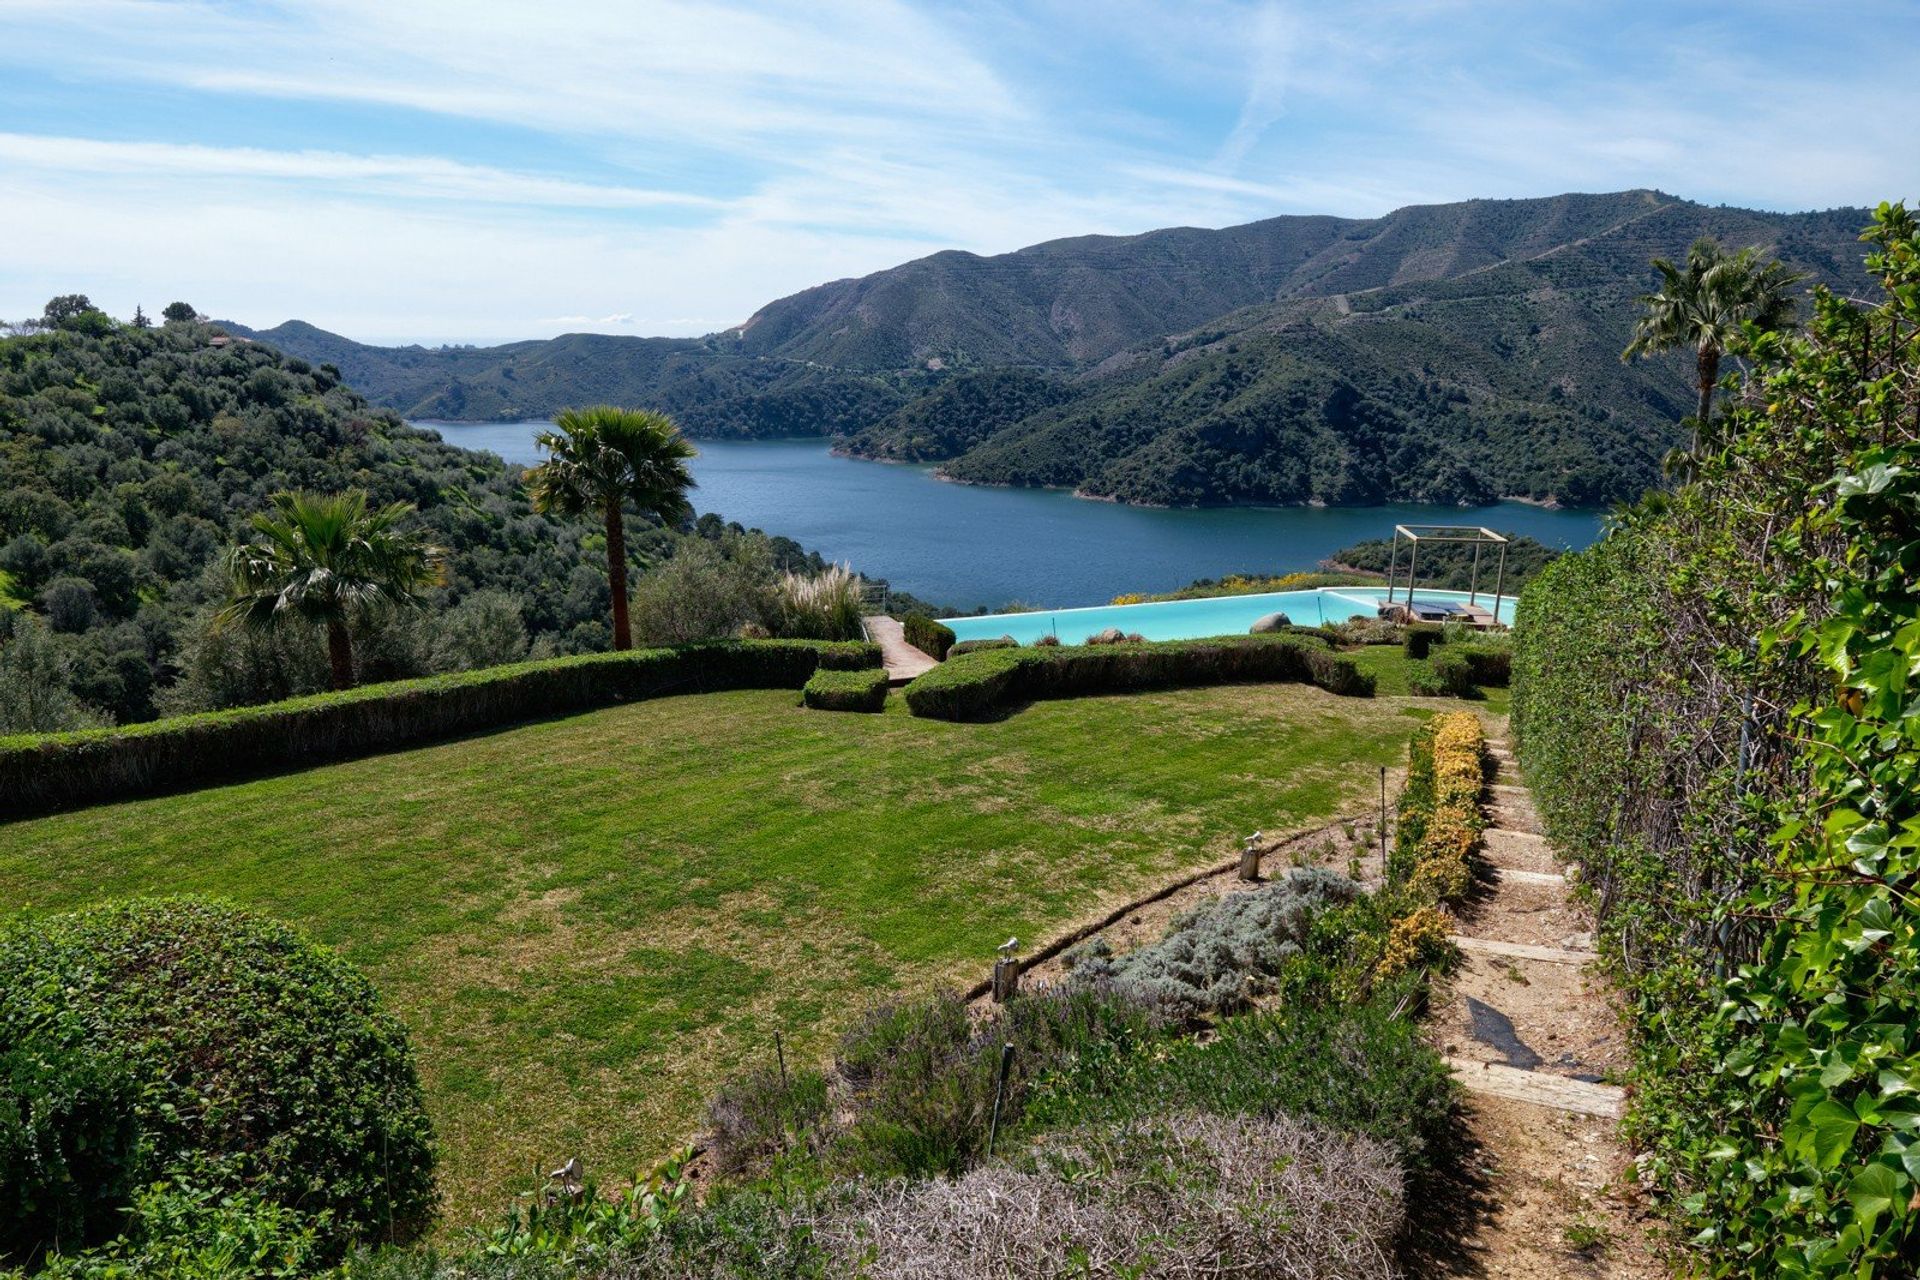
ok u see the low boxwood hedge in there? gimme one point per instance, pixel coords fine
(929, 637)
(1422, 637)
(975, 646)
(1489, 664)
(57, 771)
(846, 690)
(972, 686)
(1451, 671)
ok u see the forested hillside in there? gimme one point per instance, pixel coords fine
(133, 457)
(1444, 353)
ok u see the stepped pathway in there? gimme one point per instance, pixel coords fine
(1529, 1027)
(902, 660)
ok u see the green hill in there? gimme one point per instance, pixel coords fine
(1448, 353)
(131, 458)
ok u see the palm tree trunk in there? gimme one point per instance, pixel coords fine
(617, 575)
(340, 654)
(1708, 370)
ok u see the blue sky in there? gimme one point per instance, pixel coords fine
(463, 170)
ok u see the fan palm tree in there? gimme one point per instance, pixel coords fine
(600, 459)
(1706, 305)
(325, 559)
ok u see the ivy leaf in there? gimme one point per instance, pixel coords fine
(1873, 1191)
(1830, 1128)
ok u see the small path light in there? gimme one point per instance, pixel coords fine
(1006, 972)
(1250, 858)
(571, 1178)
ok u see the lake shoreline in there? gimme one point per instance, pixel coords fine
(965, 546)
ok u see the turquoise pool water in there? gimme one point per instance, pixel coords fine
(1188, 619)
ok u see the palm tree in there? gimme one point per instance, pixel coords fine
(1706, 305)
(601, 459)
(325, 559)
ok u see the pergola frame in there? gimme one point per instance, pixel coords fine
(1480, 537)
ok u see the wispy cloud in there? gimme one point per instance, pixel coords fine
(424, 177)
(490, 169)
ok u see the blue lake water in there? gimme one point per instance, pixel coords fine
(967, 546)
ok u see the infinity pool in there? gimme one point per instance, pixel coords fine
(1187, 619)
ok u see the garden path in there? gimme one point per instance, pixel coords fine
(902, 660)
(1531, 1029)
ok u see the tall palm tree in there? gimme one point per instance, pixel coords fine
(1706, 305)
(602, 458)
(324, 559)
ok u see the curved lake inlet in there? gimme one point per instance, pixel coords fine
(965, 546)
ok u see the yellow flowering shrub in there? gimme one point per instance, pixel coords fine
(1417, 940)
(1449, 829)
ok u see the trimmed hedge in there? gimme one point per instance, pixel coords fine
(1451, 670)
(1489, 665)
(975, 646)
(257, 1061)
(929, 637)
(972, 686)
(1422, 636)
(846, 690)
(57, 771)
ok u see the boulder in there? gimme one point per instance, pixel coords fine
(1272, 622)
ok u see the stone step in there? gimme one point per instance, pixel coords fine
(1522, 951)
(1558, 1092)
(1514, 817)
(1526, 853)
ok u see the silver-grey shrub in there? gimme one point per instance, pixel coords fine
(1187, 1195)
(1214, 957)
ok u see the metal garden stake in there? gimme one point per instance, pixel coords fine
(999, 1092)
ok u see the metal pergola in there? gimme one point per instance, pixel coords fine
(1480, 537)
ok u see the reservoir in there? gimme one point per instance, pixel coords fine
(967, 546)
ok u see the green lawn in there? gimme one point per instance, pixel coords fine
(589, 922)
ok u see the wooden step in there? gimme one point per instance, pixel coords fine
(1522, 951)
(1514, 833)
(1562, 1094)
(1508, 789)
(1530, 877)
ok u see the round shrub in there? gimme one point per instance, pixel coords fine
(69, 1149)
(259, 1060)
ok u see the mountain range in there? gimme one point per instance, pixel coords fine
(1452, 353)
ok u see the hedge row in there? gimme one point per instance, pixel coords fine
(929, 637)
(972, 686)
(57, 771)
(846, 690)
(975, 646)
(1439, 821)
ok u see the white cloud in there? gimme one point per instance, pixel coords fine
(409, 176)
(491, 169)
